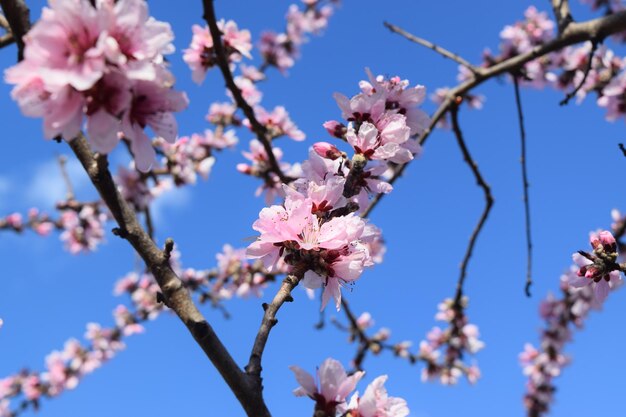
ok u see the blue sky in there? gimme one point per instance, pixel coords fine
(574, 165)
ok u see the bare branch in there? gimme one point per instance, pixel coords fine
(269, 320)
(454, 110)
(529, 243)
(4, 24)
(6, 40)
(595, 29)
(175, 294)
(442, 51)
(18, 17)
(562, 13)
(222, 61)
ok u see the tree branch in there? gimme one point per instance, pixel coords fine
(488, 201)
(222, 61)
(529, 243)
(562, 13)
(283, 295)
(442, 51)
(6, 40)
(175, 294)
(597, 29)
(18, 17)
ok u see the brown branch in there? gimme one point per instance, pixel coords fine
(442, 51)
(283, 295)
(529, 243)
(562, 13)
(4, 24)
(355, 330)
(575, 32)
(222, 61)
(6, 40)
(454, 110)
(175, 294)
(18, 17)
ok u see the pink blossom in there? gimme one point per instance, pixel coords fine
(200, 56)
(334, 384)
(375, 402)
(277, 123)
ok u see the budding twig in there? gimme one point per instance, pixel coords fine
(222, 61)
(575, 32)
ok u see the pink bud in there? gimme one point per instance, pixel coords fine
(335, 128)
(326, 150)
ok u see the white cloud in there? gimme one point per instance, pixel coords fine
(171, 199)
(47, 186)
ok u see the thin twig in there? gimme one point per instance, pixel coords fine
(571, 94)
(269, 320)
(17, 15)
(4, 24)
(574, 33)
(66, 178)
(222, 61)
(440, 50)
(6, 40)
(467, 157)
(562, 13)
(364, 341)
(622, 148)
(529, 243)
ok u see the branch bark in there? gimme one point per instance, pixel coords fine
(18, 16)
(176, 295)
(283, 295)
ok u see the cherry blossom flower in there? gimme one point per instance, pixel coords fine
(334, 385)
(375, 402)
(103, 61)
(200, 56)
(598, 270)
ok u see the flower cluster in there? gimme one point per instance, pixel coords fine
(584, 287)
(66, 368)
(41, 223)
(536, 29)
(234, 275)
(382, 119)
(443, 350)
(335, 385)
(102, 62)
(83, 227)
(193, 155)
(578, 70)
(316, 234)
(599, 269)
(200, 56)
(280, 50)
